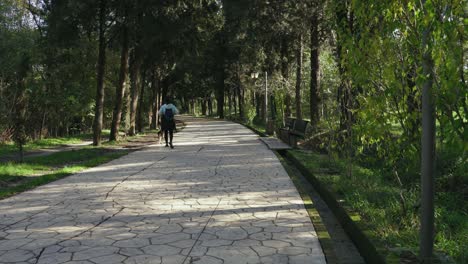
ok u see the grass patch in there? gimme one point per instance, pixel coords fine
(7, 148)
(128, 139)
(391, 222)
(16, 177)
(13, 169)
(10, 148)
(260, 128)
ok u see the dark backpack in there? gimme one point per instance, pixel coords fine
(168, 114)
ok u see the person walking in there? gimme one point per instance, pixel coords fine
(167, 113)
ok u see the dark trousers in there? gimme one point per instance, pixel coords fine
(171, 135)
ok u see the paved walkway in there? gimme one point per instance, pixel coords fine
(219, 197)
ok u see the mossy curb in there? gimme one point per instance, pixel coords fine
(255, 130)
(366, 248)
(262, 134)
(319, 226)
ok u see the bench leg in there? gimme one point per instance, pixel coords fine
(288, 139)
(284, 136)
(293, 141)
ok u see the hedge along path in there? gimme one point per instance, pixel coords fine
(219, 197)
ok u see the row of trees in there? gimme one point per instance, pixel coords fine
(73, 66)
(361, 71)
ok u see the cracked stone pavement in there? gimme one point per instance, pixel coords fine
(219, 197)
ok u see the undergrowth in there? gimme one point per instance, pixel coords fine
(391, 211)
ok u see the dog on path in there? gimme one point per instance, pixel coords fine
(160, 136)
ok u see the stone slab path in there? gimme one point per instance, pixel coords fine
(219, 197)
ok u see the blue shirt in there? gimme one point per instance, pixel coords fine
(162, 111)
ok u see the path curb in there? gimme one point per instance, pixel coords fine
(250, 127)
(320, 228)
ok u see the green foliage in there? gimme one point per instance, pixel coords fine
(17, 53)
(250, 113)
(379, 62)
(393, 220)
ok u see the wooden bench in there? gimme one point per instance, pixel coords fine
(293, 130)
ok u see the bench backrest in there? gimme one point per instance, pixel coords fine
(289, 123)
(300, 126)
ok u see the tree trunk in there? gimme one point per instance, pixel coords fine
(42, 124)
(185, 103)
(257, 104)
(299, 78)
(285, 74)
(99, 108)
(159, 99)
(120, 89)
(194, 106)
(220, 76)
(344, 88)
(229, 99)
(164, 89)
(126, 109)
(156, 91)
(242, 102)
(135, 76)
(19, 122)
(428, 146)
(210, 106)
(345, 101)
(261, 103)
(413, 106)
(240, 99)
(140, 107)
(204, 106)
(314, 70)
(273, 106)
(233, 100)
